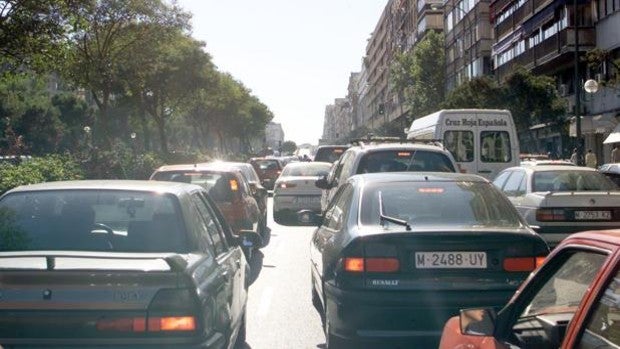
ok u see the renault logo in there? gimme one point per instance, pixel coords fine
(47, 294)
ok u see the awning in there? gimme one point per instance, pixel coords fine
(614, 137)
(602, 123)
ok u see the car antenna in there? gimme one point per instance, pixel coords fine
(386, 218)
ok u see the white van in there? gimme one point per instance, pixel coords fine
(482, 141)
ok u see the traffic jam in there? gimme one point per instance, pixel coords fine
(447, 239)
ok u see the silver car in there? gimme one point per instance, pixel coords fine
(295, 190)
(559, 200)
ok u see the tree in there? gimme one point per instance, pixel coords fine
(289, 147)
(418, 75)
(481, 92)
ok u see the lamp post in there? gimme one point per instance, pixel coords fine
(577, 87)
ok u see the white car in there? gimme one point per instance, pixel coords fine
(295, 190)
(559, 200)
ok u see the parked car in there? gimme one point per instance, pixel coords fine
(572, 301)
(268, 170)
(369, 157)
(294, 190)
(256, 188)
(560, 200)
(612, 171)
(227, 187)
(397, 254)
(329, 153)
(119, 264)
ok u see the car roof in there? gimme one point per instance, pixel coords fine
(540, 168)
(330, 146)
(387, 177)
(207, 166)
(111, 184)
(609, 235)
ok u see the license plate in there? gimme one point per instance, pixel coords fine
(592, 215)
(308, 200)
(450, 260)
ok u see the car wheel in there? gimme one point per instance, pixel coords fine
(241, 336)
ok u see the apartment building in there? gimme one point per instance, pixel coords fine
(274, 135)
(468, 40)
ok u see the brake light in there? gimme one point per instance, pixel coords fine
(155, 324)
(371, 265)
(546, 214)
(517, 264)
(287, 185)
(430, 190)
(172, 323)
(540, 261)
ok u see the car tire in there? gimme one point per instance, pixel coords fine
(241, 336)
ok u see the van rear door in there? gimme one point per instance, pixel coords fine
(497, 144)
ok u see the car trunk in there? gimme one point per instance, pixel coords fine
(299, 185)
(57, 297)
(580, 206)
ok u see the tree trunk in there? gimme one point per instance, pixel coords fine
(145, 128)
(161, 128)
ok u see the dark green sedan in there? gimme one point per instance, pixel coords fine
(119, 264)
(397, 254)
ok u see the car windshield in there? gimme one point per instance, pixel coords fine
(572, 181)
(306, 169)
(91, 220)
(215, 183)
(439, 203)
(405, 160)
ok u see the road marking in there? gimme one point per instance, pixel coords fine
(265, 302)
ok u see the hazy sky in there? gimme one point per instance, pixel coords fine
(295, 55)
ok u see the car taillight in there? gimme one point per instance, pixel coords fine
(150, 324)
(550, 214)
(285, 185)
(371, 265)
(520, 264)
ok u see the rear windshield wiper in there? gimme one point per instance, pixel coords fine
(385, 218)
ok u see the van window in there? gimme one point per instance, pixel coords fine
(495, 146)
(460, 144)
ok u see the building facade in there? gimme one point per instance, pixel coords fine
(274, 135)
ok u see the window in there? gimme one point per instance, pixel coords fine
(215, 183)
(514, 184)
(209, 226)
(495, 146)
(460, 144)
(603, 325)
(501, 179)
(337, 213)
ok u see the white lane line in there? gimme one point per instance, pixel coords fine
(265, 302)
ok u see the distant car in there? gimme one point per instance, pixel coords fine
(397, 254)
(384, 157)
(329, 153)
(612, 171)
(294, 190)
(227, 187)
(572, 301)
(268, 170)
(560, 200)
(119, 264)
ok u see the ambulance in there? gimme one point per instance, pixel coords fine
(482, 141)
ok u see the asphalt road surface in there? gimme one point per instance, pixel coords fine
(280, 311)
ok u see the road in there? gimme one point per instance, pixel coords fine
(280, 311)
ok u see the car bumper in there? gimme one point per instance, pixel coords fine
(215, 341)
(401, 317)
(296, 203)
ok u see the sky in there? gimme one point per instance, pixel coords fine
(296, 56)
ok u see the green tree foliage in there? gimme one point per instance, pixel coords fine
(289, 147)
(596, 58)
(531, 99)
(418, 75)
(37, 170)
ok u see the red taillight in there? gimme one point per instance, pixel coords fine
(546, 214)
(287, 185)
(155, 324)
(371, 265)
(517, 264)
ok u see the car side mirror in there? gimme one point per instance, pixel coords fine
(322, 183)
(248, 240)
(478, 322)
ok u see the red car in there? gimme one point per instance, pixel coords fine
(571, 301)
(268, 170)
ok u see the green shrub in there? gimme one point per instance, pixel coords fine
(36, 170)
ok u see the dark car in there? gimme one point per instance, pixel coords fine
(119, 264)
(572, 301)
(329, 153)
(227, 187)
(268, 170)
(397, 254)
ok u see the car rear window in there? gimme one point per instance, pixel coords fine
(405, 160)
(329, 154)
(439, 204)
(306, 169)
(571, 181)
(266, 165)
(91, 220)
(217, 184)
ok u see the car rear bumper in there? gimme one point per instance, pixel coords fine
(295, 203)
(397, 316)
(215, 341)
